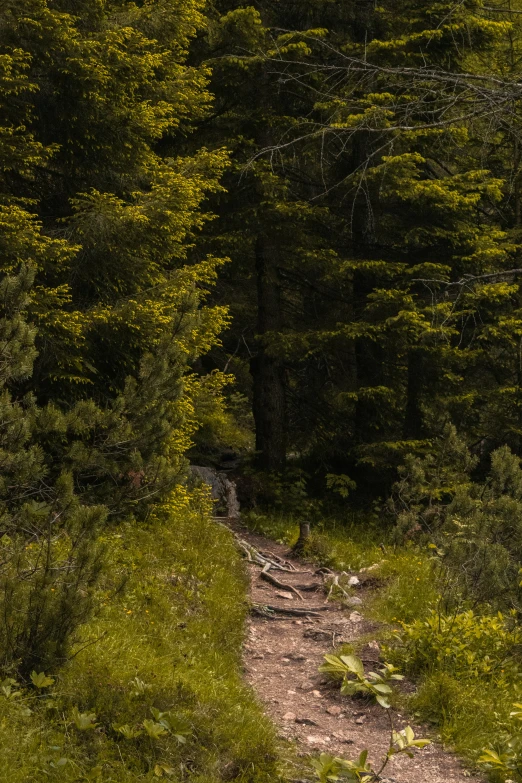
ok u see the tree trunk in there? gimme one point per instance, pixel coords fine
(269, 404)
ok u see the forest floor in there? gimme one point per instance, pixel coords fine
(282, 657)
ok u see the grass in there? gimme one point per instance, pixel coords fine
(167, 637)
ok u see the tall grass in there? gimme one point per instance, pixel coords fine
(168, 637)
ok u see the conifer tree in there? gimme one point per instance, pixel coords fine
(368, 188)
(120, 317)
(102, 309)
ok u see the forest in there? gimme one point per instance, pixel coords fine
(279, 241)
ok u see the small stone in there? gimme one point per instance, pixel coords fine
(291, 693)
(353, 581)
(356, 617)
(284, 594)
(298, 622)
(318, 740)
(360, 720)
(306, 721)
(298, 657)
(258, 656)
(290, 716)
(341, 736)
(373, 567)
(307, 686)
(354, 601)
(317, 694)
(285, 660)
(333, 710)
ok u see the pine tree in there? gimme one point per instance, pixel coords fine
(363, 192)
(102, 307)
(120, 316)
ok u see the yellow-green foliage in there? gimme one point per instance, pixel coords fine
(154, 687)
(465, 645)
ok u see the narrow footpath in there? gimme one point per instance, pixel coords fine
(282, 657)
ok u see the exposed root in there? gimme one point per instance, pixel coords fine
(254, 556)
(281, 560)
(313, 611)
(280, 585)
(334, 585)
(271, 612)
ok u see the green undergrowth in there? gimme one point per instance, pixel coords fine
(466, 663)
(154, 689)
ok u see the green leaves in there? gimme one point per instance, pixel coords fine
(167, 723)
(154, 730)
(403, 742)
(41, 680)
(84, 721)
(332, 768)
(129, 732)
(508, 754)
(355, 681)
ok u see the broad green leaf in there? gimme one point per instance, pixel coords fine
(41, 680)
(154, 730)
(84, 721)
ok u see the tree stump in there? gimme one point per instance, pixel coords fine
(304, 537)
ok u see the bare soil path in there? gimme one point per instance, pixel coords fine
(282, 657)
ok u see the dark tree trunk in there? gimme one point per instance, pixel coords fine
(413, 419)
(269, 404)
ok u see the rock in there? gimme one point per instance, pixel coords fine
(290, 716)
(360, 720)
(306, 721)
(353, 581)
(334, 710)
(356, 617)
(373, 567)
(258, 656)
(307, 685)
(317, 694)
(222, 489)
(269, 651)
(298, 657)
(318, 740)
(341, 736)
(291, 693)
(298, 622)
(318, 636)
(285, 660)
(354, 601)
(284, 594)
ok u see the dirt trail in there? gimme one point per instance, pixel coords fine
(282, 657)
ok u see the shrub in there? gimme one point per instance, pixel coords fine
(475, 527)
(464, 645)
